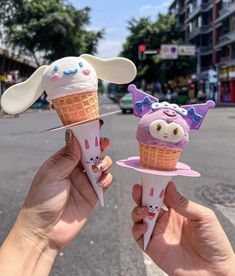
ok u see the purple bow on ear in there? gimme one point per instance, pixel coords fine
(141, 101)
(197, 113)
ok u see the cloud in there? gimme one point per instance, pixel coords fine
(93, 28)
(109, 48)
(153, 11)
(112, 43)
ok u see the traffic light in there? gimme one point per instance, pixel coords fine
(141, 49)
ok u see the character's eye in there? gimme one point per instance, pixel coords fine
(159, 127)
(91, 159)
(175, 131)
(150, 206)
(81, 64)
(56, 68)
(97, 157)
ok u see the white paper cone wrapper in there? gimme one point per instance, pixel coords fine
(89, 138)
(153, 187)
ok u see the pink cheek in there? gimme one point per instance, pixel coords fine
(55, 76)
(86, 71)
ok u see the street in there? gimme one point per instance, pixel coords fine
(105, 247)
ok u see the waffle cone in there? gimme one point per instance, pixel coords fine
(77, 107)
(153, 157)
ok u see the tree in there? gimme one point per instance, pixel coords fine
(48, 29)
(152, 34)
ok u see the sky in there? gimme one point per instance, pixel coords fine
(113, 15)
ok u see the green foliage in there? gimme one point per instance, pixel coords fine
(48, 28)
(164, 30)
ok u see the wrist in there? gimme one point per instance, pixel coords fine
(33, 238)
(23, 250)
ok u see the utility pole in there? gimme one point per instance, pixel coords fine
(198, 62)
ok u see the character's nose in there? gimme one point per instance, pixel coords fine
(169, 112)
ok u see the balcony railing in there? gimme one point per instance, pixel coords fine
(177, 11)
(225, 39)
(206, 50)
(205, 29)
(226, 11)
(205, 7)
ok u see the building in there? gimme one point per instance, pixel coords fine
(13, 68)
(210, 25)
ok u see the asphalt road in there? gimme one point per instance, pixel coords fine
(105, 246)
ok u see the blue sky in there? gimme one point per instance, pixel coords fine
(112, 15)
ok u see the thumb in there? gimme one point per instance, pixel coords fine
(63, 162)
(183, 206)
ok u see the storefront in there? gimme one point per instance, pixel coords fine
(227, 84)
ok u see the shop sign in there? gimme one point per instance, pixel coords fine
(231, 73)
(187, 50)
(223, 74)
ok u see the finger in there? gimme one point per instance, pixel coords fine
(137, 194)
(82, 184)
(139, 213)
(104, 143)
(104, 164)
(183, 206)
(62, 163)
(138, 230)
(105, 180)
(162, 212)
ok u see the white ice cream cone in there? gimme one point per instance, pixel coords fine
(88, 135)
(153, 187)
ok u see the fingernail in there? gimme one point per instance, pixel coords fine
(104, 141)
(101, 122)
(180, 197)
(68, 136)
(101, 164)
(101, 183)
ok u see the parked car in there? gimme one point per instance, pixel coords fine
(125, 103)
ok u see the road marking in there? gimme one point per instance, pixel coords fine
(228, 212)
(151, 268)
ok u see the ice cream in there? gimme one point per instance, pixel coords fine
(71, 85)
(162, 134)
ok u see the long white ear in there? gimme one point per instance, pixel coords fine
(116, 70)
(21, 96)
